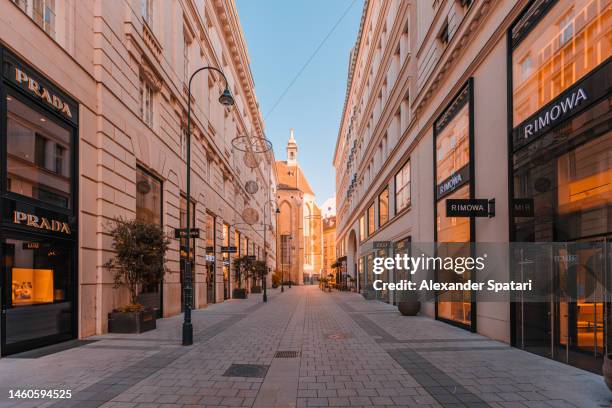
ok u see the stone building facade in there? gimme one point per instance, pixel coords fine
(94, 100)
(479, 99)
(299, 222)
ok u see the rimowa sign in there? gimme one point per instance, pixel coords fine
(582, 94)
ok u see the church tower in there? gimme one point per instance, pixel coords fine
(291, 149)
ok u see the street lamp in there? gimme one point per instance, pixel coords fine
(265, 291)
(226, 99)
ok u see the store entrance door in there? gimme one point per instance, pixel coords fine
(583, 311)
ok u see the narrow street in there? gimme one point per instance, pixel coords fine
(339, 350)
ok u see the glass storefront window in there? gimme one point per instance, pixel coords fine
(361, 271)
(452, 182)
(210, 257)
(39, 153)
(402, 188)
(39, 289)
(573, 37)
(183, 242)
(453, 145)
(383, 207)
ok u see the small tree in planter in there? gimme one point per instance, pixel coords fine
(243, 270)
(140, 250)
(259, 270)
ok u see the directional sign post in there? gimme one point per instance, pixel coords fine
(182, 233)
(229, 249)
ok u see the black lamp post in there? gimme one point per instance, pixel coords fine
(265, 251)
(226, 99)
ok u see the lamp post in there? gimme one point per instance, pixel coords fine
(265, 251)
(226, 99)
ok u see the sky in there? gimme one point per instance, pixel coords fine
(281, 36)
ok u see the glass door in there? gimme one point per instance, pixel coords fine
(582, 311)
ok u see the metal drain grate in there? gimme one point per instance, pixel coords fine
(246, 370)
(287, 354)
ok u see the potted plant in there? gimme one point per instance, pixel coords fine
(259, 269)
(243, 270)
(140, 250)
(276, 280)
(409, 304)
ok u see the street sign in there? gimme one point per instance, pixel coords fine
(229, 249)
(470, 207)
(381, 244)
(523, 207)
(252, 257)
(182, 233)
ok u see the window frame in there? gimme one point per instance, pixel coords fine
(380, 223)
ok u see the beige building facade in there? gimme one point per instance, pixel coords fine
(460, 100)
(94, 109)
(299, 222)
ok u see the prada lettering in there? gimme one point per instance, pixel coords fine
(35, 221)
(41, 92)
(552, 114)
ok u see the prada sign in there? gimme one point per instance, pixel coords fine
(453, 182)
(583, 93)
(34, 221)
(39, 88)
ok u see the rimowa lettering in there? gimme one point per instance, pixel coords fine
(553, 113)
(468, 207)
(35, 221)
(41, 92)
(453, 182)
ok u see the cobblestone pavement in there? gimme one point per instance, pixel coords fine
(304, 348)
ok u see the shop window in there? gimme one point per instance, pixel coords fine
(383, 207)
(452, 163)
(40, 274)
(148, 197)
(402, 188)
(39, 154)
(566, 44)
(371, 220)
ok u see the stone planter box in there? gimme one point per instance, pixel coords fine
(131, 322)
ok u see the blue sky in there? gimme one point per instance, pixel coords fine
(281, 36)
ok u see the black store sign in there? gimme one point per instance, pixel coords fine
(583, 93)
(453, 182)
(28, 217)
(468, 207)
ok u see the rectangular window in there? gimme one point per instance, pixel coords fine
(371, 220)
(285, 242)
(146, 102)
(147, 12)
(41, 11)
(383, 207)
(362, 228)
(570, 41)
(148, 197)
(39, 154)
(186, 58)
(402, 188)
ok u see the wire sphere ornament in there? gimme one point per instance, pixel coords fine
(251, 144)
(250, 215)
(250, 160)
(251, 187)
